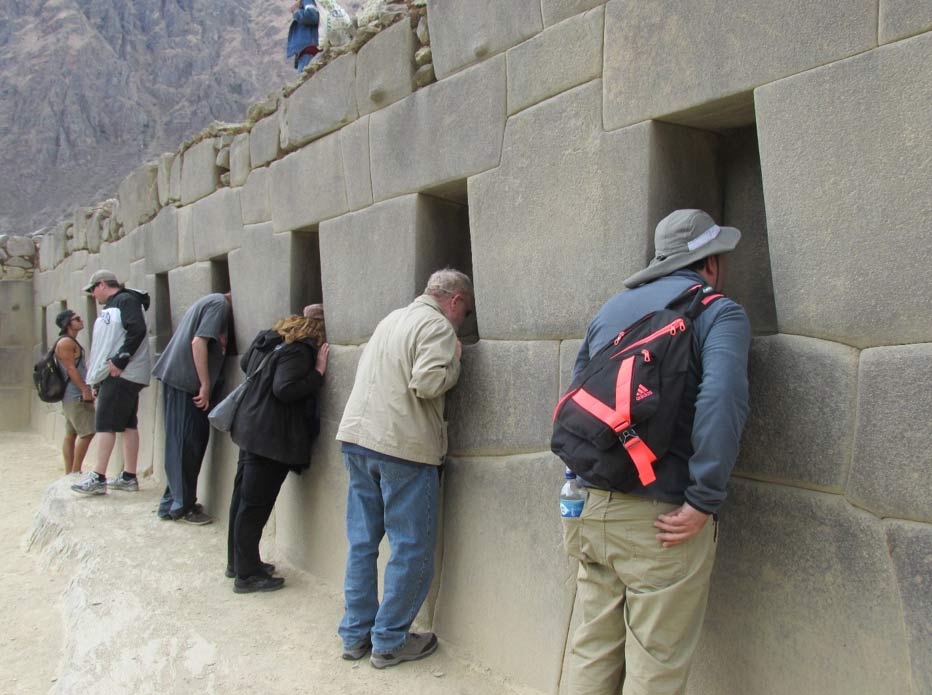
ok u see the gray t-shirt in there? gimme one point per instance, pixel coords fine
(207, 318)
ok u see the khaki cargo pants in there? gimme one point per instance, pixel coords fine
(642, 604)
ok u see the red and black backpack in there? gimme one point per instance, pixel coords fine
(618, 417)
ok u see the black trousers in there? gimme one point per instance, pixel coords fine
(187, 431)
(255, 489)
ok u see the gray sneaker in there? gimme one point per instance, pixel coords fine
(91, 486)
(357, 652)
(121, 483)
(416, 646)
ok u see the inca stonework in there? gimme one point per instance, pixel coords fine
(535, 144)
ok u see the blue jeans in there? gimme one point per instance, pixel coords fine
(400, 499)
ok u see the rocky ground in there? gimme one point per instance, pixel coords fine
(100, 596)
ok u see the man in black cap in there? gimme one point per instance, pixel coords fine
(78, 403)
(646, 556)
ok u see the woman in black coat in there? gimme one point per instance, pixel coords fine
(275, 425)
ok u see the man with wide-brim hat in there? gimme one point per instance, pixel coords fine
(646, 555)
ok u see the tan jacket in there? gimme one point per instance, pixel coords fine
(396, 406)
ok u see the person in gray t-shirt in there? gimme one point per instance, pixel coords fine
(189, 370)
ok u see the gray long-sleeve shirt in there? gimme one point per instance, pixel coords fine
(722, 337)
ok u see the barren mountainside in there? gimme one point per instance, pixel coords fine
(90, 89)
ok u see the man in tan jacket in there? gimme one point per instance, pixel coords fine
(394, 440)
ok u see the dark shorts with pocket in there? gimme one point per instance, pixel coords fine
(117, 404)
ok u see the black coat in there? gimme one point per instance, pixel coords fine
(278, 417)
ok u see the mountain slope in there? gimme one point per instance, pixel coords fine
(89, 89)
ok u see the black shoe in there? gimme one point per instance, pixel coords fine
(196, 517)
(266, 567)
(257, 582)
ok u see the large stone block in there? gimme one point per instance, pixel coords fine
(264, 141)
(310, 518)
(308, 186)
(215, 483)
(596, 230)
(876, 216)
(893, 448)
(787, 612)
(400, 241)
(186, 286)
(200, 175)
(662, 58)
(902, 18)
(174, 179)
(457, 39)
(116, 257)
(14, 365)
(163, 178)
(803, 400)
(569, 349)
(503, 564)
(254, 198)
(185, 236)
(555, 60)
(15, 404)
(239, 160)
(217, 221)
(911, 549)
(16, 309)
(504, 399)
(139, 196)
(260, 281)
(555, 11)
(441, 133)
(162, 241)
(354, 143)
(324, 103)
(385, 68)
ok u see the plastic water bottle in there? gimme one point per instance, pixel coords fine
(572, 498)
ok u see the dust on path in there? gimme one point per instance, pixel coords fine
(101, 597)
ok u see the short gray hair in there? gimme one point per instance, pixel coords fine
(448, 282)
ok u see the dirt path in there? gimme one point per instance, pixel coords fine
(99, 596)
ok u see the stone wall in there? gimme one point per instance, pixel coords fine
(556, 136)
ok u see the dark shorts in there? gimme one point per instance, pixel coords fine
(117, 403)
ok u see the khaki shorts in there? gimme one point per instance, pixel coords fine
(79, 418)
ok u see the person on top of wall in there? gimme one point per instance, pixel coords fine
(190, 369)
(302, 34)
(275, 425)
(646, 556)
(119, 368)
(394, 441)
(78, 402)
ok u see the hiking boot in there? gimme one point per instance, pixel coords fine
(121, 483)
(417, 646)
(357, 652)
(266, 567)
(91, 486)
(257, 582)
(195, 517)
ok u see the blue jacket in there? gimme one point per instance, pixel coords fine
(303, 30)
(716, 392)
